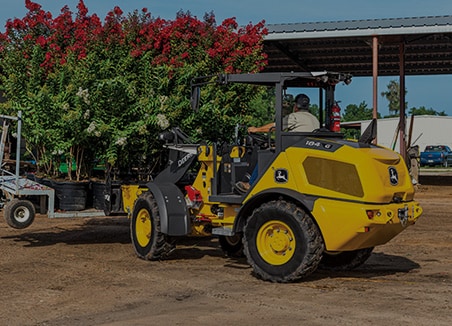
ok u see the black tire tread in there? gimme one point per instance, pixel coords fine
(11, 206)
(315, 245)
(231, 250)
(160, 247)
(346, 260)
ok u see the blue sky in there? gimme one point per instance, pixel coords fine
(428, 91)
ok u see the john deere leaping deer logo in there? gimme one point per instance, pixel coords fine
(393, 176)
(281, 176)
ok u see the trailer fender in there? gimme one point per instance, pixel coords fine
(174, 217)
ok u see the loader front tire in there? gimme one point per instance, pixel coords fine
(149, 243)
(281, 242)
(19, 213)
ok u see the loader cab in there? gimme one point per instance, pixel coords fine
(321, 91)
(319, 85)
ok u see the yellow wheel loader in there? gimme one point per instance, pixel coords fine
(318, 201)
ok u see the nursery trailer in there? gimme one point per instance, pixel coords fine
(18, 210)
(17, 191)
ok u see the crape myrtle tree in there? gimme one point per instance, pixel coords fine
(92, 89)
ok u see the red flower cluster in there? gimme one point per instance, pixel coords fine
(58, 37)
(185, 39)
(189, 39)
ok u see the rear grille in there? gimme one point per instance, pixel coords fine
(333, 175)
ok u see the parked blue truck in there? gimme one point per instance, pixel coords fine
(436, 155)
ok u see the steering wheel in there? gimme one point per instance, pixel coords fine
(321, 130)
(257, 139)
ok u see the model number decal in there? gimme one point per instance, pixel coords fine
(312, 143)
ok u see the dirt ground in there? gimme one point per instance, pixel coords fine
(85, 272)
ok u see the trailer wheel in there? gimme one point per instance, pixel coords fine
(148, 241)
(19, 213)
(281, 242)
(232, 246)
(344, 260)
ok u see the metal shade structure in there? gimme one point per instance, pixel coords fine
(377, 47)
(347, 46)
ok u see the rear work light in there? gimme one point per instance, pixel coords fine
(372, 213)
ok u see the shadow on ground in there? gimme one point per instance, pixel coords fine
(105, 230)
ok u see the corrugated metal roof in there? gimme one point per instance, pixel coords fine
(345, 46)
(349, 25)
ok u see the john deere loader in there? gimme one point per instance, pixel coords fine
(319, 200)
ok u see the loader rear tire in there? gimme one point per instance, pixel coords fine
(345, 260)
(232, 246)
(19, 213)
(149, 243)
(281, 242)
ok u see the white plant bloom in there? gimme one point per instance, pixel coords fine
(58, 152)
(162, 121)
(86, 115)
(163, 99)
(84, 94)
(66, 106)
(121, 141)
(91, 128)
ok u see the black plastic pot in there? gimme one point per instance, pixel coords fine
(71, 196)
(98, 192)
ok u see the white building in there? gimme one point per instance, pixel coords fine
(427, 130)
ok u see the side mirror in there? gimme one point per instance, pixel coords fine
(370, 133)
(195, 98)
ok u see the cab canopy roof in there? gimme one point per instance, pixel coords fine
(294, 79)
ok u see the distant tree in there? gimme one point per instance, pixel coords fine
(393, 96)
(314, 109)
(424, 111)
(359, 112)
(355, 112)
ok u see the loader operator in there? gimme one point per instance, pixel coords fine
(300, 120)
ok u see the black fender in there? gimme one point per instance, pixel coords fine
(174, 217)
(305, 201)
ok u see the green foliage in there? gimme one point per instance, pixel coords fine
(261, 108)
(393, 96)
(359, 112)
(104, 91)
(355, 112)
(424, 111)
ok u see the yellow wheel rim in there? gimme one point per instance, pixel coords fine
(143, 227)
(275, 242)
